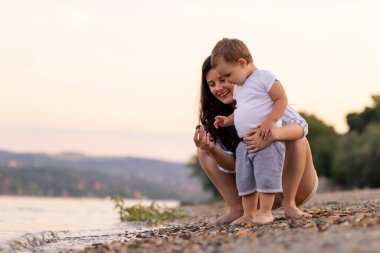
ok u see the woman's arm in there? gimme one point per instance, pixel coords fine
(289, 132)
(204, 144)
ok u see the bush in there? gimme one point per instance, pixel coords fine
(151, 214)
(357, 159)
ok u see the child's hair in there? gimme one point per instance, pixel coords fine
(231, 50)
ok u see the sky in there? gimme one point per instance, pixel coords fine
(122, 78)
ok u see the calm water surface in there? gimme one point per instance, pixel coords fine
(52, 224)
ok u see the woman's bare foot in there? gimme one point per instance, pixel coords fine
(264, 218)
(243, 219)
(227, 218)
(292, 211)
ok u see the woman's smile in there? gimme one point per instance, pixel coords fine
(223, 93)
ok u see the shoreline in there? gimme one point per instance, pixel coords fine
(341, 221)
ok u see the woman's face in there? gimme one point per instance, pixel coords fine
(220, 88)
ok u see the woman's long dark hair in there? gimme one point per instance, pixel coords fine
(211, 107)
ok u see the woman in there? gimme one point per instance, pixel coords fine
(215, 149)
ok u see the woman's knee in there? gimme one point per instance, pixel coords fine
(296, 145)
(202, 155)
(205, 160)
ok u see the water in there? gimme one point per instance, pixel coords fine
(51, 224)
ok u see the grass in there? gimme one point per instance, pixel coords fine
(151, 214)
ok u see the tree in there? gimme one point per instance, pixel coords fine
(323, 140)
(359, 121)
(357, 161)
(198, 172)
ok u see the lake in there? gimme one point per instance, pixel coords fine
(48, 224)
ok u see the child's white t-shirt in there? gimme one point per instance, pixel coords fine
(253, 103)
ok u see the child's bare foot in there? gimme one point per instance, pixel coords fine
(226, 218)
(293, 211)
(243, 219)
(264, 218)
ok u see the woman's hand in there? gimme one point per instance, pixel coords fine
(203, 142)
(202, 139)
(256, 143)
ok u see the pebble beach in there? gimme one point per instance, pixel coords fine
(341, 222)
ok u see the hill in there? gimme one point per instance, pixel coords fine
(75, 174)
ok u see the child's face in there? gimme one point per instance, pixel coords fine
(233, 72)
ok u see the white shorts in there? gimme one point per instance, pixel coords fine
(223, 169)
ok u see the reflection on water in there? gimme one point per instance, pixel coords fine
(68, 222)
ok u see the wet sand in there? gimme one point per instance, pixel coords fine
(341, 222)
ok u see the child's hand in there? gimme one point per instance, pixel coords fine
(265, 128)
(222, 121)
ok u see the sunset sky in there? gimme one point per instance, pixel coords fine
(122, 77)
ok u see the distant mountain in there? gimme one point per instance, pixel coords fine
(75, 174)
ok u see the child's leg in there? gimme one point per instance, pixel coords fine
(266, 203)
(249, 207)
(294, 166)
(268, 166)
(246, 183)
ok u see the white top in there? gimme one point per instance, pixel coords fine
(291, 116)
(253, 103)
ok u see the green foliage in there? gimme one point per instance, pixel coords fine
(357, 161)
(151, 214)
(198, 172)
(323, 141)
(359, 121)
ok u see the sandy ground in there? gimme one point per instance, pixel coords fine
(341, 222)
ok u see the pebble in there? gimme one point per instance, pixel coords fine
(343, 224)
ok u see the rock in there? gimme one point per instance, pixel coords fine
(340, 222)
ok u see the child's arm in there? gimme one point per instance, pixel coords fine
(224, 121)
(280, 101)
